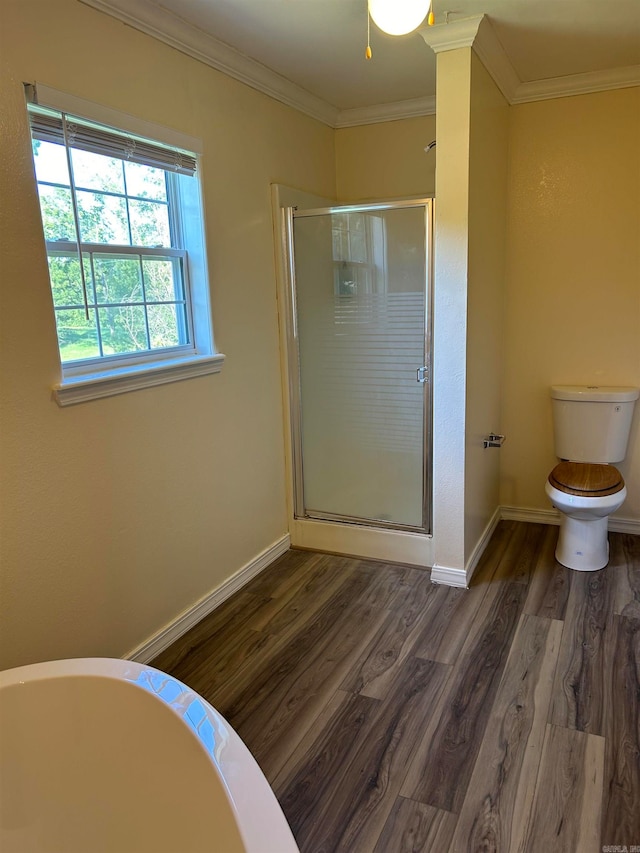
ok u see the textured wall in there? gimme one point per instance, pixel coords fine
(386, 160)
(450, 306)
(489, 137)
(573, 274)
(119, 513)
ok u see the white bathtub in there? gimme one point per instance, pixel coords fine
(100, 755)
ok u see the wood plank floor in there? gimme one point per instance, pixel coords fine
(390, 714)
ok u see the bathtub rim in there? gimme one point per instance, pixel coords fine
(258, 815)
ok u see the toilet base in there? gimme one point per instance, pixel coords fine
(583, 545)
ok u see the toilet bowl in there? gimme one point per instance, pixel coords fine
(591, 426)
(586, 495)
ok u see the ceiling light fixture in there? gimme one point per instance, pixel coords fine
(399, 17)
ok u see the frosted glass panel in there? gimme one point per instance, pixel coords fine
(360, 293)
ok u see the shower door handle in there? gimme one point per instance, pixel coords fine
(422, 374)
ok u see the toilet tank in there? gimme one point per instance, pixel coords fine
(592, 423)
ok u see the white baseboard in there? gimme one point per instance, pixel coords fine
(190, 617)
(535, 516)
(448, 576)
(445, 575)
(478, 551)
(624, 525)
(552, 516)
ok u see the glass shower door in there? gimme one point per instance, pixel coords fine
(360, 301)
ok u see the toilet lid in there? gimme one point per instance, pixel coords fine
(586, 479)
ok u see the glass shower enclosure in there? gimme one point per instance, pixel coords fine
(359, 364)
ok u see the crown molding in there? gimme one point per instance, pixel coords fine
(476, 32)
(577, 84)
(163, 25)
(493, 56)
(451, 36)
(387, 112)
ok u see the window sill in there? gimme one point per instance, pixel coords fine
(80, 389)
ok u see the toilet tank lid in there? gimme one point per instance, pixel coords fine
(596, 393)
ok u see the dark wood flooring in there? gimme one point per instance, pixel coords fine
(390, 714)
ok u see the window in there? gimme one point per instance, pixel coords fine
(123, 229)
(359, 265)
(358, 253)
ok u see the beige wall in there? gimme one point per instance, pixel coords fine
(572, 301)
(119, 513)
(386, 160)
(489, 136)
(573, 235)
(573, 274)
(450, 306)
(471, 190)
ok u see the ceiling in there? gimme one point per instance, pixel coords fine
(317, 46)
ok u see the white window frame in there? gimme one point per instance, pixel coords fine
(108, 375)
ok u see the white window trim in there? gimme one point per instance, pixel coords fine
(132, 378)
(79, 386)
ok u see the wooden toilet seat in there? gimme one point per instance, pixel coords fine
(586, 479)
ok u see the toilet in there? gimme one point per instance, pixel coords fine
(591, 426)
